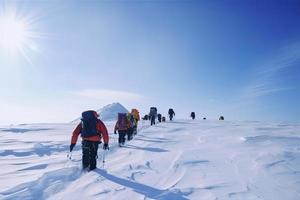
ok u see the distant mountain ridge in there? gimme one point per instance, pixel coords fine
(108, 112)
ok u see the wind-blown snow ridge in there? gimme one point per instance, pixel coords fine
(184, 159)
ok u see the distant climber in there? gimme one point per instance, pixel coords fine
(146, 117)
(92, 130)
(204, 118)
(159, 117)
(221, 118)
(132, 127)
(171, 114)
(163, 119)
(122, 126)
(136, 115)
(193, 115)
(152, 115)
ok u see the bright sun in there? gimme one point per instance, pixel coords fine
(16, 34)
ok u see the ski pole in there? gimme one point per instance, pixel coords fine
(103, 159)
(69, 155)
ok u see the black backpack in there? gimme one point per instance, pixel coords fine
(89, 124)
(153, 111)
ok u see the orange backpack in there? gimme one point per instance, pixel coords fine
(135, 114)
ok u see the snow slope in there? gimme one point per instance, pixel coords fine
(108, 112)
(174, 160)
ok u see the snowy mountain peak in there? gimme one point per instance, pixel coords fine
(108, 112)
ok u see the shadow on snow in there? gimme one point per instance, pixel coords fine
(151, 149)
(148, 191)
(40, 150)
(24, 130)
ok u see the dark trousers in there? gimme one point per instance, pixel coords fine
(89, 154)
(171, 117)
(129, 134)
(134, 130)
(152, 120)
(122, 135)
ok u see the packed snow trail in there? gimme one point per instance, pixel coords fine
(174, 160)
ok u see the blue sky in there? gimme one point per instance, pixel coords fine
(240, 59)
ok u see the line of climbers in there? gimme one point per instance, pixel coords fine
(93, 130)
(127, 125)
(153, 115)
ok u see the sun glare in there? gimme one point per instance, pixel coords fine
(14, 34)
(18, 34)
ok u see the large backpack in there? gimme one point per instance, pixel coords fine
(89, 124)
(171, 111)
(135, 114)
(132, 120)
(122, 121)
(153, 111)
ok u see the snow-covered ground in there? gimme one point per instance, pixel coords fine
(183, 159)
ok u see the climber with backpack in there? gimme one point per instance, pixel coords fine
(152, 115)
(159, 117)
(122, 126)
(171, 114)
(136, 116)
(92, 130)
(193, 115)
(146, 117)
(132, 126)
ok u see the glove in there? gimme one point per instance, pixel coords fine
(71, 147)
(115, 132)
(105, 147)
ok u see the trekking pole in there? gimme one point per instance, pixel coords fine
(69, 155)
(103, 159)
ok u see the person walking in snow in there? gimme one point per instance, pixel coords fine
(159, 117)
(122, 126)
(171, 114)
(136, 116)
(92, 130)
(193, 115)
(152, 115)
(146, 117)
(132, 127)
